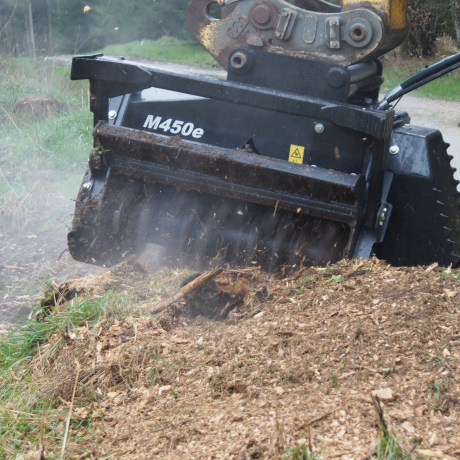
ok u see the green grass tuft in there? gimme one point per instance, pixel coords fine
(398, 68)
(41, 161)
(389, 449)
(301, 452)
(446, 87)
(25, 419)
(165, 49)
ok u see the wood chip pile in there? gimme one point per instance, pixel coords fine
(295, 363)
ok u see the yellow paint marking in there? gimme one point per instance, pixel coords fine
(296, 154)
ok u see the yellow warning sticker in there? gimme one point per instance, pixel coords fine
(296, 154)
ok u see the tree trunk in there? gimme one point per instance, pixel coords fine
(27, 44)
(456, 17)
(50, 30)
(31, 29)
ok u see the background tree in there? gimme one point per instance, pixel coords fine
(126, 20)
(61, 26)
(456, 18)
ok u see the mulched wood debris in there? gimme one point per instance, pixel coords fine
(294, 364)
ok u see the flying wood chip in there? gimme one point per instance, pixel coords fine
(86, 9)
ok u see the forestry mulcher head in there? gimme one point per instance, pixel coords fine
(293, 160)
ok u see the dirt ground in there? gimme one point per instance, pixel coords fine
(297, 362)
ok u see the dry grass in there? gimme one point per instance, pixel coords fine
(288, 375)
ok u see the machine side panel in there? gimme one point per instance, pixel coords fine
(232, 126)
(418, 232)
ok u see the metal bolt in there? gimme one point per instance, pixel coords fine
(88, 185)
(261, 14)
(238, 60)
(285, 14)
(358, 33)
(394, 149)
(112, 115)
(319, 128)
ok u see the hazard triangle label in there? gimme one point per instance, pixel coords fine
(296, 154)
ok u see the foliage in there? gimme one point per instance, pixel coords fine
(429, 20)
(398, 70)
(165, 49)
(121, 21)
(74, 31)
(42, 161)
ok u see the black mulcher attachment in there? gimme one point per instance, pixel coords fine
(290, 161)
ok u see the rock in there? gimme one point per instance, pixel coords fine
(279, 390)
(384, 394)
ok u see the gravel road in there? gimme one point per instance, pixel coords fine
(437, 114)
(38, 256)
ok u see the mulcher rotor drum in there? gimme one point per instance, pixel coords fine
(290, 161)
(204, 227)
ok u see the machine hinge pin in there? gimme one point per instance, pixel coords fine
(394, 149)
(112, 115)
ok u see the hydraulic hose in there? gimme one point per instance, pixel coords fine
(421, 78)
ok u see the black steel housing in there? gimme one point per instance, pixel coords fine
(351, 197)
